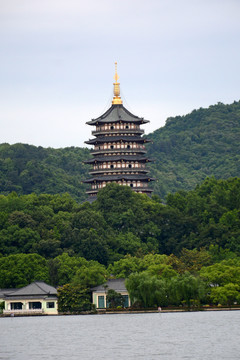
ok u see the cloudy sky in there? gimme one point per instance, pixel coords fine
(57, 63)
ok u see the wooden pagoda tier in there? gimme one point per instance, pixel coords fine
(119, 149)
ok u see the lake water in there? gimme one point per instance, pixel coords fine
(170, 336)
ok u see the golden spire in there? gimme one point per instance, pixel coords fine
(116, 90)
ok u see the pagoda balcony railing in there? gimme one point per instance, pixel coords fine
(134, 188)
(134, 171)
(120, 151)
(118, 131)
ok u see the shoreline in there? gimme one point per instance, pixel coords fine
(124, 312)
(106, 312)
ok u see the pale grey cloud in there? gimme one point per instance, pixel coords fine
(57, 62)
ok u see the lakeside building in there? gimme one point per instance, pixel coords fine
(99, 293)
(35, 298)
(119, 153)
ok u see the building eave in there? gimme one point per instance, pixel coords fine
(120, 114)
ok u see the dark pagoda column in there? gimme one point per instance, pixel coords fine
(119, 153)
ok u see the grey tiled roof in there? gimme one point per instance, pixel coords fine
(117, 158)
(119, 177)
(37, 288)
(113, 284)
(3, 292)
(106, 139)
(117, 113)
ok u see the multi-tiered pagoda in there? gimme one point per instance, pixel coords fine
(119, 149)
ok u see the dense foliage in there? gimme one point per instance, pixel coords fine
(186, 150)
(27, 168)
(189, 148)
(184, 252)
(121, 222)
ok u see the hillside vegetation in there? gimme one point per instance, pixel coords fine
(121, 222)
(190, 148)
(27, 168)
(186, 151)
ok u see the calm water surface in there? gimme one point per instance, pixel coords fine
(199, 335)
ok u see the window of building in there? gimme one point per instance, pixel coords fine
(51, 305)
(16, 306)
(112, 147)
(111, 166)
(35, 305)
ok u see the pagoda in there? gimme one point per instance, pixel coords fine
(119, 153)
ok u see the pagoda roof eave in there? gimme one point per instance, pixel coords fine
(117, 113)
(118, 158)
(104, 139)
(118, 178)
(96, 122)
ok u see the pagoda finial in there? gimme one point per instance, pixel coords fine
(116, 90)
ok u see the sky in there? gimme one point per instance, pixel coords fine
(57, 63)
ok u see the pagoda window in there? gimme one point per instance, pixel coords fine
(111, 166)
(112, 147)
(126, 126)
(128, 147)
(112, 127)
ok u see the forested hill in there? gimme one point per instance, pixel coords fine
(189, 148)
(186, 150)
(27, 168)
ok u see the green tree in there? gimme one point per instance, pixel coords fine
(22, 269)
(225, 295)
(73, 299)
(90, 275)
(114, 299)
(189, 287)
(222, 273)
